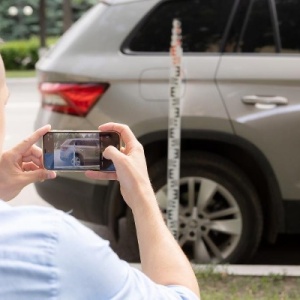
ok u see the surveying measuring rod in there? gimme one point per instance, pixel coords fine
(174, 130)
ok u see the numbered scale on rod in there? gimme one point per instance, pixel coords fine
(174, 129)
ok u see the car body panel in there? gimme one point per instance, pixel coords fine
(262, 125)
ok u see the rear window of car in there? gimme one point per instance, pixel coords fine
(203, 23)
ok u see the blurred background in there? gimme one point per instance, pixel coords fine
(29, 27)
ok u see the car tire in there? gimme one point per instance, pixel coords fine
(224, 224)
(218, 204)
(77, 161)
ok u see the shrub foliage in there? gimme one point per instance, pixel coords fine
(21, 54)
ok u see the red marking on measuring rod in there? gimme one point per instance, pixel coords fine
(174, 129)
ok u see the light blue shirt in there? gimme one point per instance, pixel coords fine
(47, 254)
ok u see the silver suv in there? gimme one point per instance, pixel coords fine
(240, 159)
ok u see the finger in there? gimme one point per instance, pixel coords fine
(34, 150)
(30, 166)
(113, 153)
(122, 149)
(37, 175)
(124, 131)
(35, 155)
(27, 143)
(30, 158)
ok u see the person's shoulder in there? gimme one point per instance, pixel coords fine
(35, 229)
(61, 225)
(30, 226)
(43, 222)
(28, 217)
(73, 232)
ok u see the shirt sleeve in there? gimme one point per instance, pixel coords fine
(90, 269)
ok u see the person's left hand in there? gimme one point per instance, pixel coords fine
(23, 165)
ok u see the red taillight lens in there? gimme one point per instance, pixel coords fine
(74, 99)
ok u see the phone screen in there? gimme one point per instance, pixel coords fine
(78, 150)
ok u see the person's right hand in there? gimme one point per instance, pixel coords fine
(130, 164)
(23, 165)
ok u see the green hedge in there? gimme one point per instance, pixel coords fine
(22, 54)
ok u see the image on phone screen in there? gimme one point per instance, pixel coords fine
(78, 151)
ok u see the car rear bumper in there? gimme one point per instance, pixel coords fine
(86, 201)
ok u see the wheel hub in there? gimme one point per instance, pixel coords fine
(193, 224)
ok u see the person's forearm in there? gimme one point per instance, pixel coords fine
(161, 257)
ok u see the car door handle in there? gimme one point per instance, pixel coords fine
(255, 99)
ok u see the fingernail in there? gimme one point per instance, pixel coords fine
(51, 175)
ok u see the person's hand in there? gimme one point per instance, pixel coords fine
(23, 165)
(130, 164)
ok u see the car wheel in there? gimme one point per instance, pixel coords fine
(217, 207)
(75, 160)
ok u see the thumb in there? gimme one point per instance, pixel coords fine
(112, 153)
(115, 155)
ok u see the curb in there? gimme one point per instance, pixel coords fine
(245, 270)
(22, 80)
(251, 270)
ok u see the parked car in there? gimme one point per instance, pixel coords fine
(240, 136)
(79, 152)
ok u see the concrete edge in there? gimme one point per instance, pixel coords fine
(21, 80)
(246, 270)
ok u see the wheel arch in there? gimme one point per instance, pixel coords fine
(239, 151)
(79, 155)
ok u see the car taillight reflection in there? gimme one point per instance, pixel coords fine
(74, 99)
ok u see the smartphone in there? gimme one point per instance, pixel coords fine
(78, 150)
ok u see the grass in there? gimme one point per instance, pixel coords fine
(20, 73)
(219, 286)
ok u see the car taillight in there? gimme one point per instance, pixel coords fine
(68, 98)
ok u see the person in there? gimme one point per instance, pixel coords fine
(47, 254)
